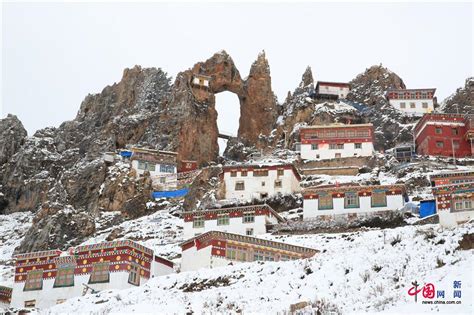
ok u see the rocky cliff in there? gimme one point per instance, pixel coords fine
(12, 137)
(462, 101)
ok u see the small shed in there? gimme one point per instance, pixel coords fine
(427, 208)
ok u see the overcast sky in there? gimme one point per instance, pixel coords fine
(54, 54)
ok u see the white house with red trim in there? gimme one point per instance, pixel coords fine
(259, 181)
(414, 102)
(336, 141)
(43, 279)
(332, 90)
(215, 249)
(325, 202)
(246, 220)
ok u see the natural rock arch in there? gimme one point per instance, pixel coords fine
(192, 106)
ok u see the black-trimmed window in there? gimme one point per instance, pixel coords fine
(34, 280)
(100, 273)
(198, 222)
(351, 200)
(325, 201)
(222, 219)
(134, 275)
(248, 217)
(379, 198)
(64, 277)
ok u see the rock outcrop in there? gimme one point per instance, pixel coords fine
(462, 101)
(191, 108)
(12, 137)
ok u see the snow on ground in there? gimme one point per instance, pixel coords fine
(12, 229)
(363, 271)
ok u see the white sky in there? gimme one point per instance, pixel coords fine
(54, 54)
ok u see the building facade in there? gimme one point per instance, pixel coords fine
(454, 196)
(325, 201)
(245, 220)
(413, 102)
(336, 141)
(5, 297)
(249, 181)
(216, 249)
(332, 90)
(43, 279)
(160, 164)
(449, 135)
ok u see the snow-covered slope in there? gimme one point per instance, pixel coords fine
(364, 271)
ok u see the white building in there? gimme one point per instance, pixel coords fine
(160, 164)
(246, 220)
(43, 279)
(214, 249)
(327, 201)
(336, 141)
(248, 181)
(413, 102)
(454, 194)
(201, 81)
(332, 90)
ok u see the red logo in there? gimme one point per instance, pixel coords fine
(428, 290)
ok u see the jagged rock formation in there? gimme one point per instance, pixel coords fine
(192, 109)
(302, 108)
(391, 127)
(462, 101)
(12, 137)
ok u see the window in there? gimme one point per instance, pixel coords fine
(341, 134)
(351, 200)
(412, 105)
(260, 173)
(233, 173)
(424, 105)
(424, 95)
(162, 180)
(164, 168)
(463, 204)
(278, 183)
(100, 273)
(455, 131)
(249, 232)
(198, 222)
(350, 133)
(438, 130)
(145, 166)
(243, 173)
(223, 219)
(248, 217)
(280, 172)
(358, 145)
(236, 253)
(325, 201)
(239, 186)
(134, 275)
(64, 277)
(362, 133)
(403, 105)
(439, 144)
(331, 133)
(337, 155)
(34, 280)
(336, 146)
(456, 145)
(379, 198)
(263, 256)
(30, 303)
(263, 184)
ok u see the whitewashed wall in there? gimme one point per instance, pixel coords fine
(235, 225)
(418, 110)
(310, 206)
(171, 178)
(452, 219)
(193, 259)
(253, 185)
(325, 153)
(49, 295)
(341, 92)
(159, 269)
